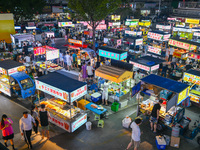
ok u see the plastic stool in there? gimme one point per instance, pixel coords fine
(96, 117)
(100, 123)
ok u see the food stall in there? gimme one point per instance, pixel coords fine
(119, 76)
(5, 55)
(182, 32)
(172, 92)
(192, 78)
(61, 94)
(14, 80)
(146, 64)
(156, 38)
(144, 27)
(134, 42)
(19, 39)
(163, 27)
(184, 47)
(49, 53)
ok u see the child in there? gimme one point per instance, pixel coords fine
(80, 76)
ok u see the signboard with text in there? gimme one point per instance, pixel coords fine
(78, 93)
(16, 69)
(75, 41)
(191, 78)
(64, 24)
(79, 122)
(52, 54)
(3, 71)
(155, 36)
(39, 51)
(5, 88)
(179, 44)
(165, 27)
(136, 65)
(107, 54)
(154, 50)
(183, 95)
(139, 42)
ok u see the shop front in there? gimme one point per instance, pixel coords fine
(61, 100)
(14, 80)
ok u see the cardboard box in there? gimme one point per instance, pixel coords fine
(175, 141)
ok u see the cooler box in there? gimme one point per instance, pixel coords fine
(115, 106)
(82, 103)
(96, 97)
(123, 103)
(160, 143)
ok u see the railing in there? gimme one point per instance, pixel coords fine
(195, 5)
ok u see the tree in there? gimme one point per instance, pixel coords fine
(93, 11)
(22, 9)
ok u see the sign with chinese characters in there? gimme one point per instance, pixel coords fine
(179, 44)
(154, 50)
(39, 51)
(155, 36)
(194, 56)
(136, 65)
(123, 56)
(78, 93)
(59, 122)
(166, 37)
(64, 24)
(191, 78)
(165, 27)
(146, 24)
(75, 41)
(115, 17)
(52, 54)
(5, 88)
(183, 95)
(139, 33)
(139, 42)
(155, 67)
(177, 54)
(79, 122)
(16, 69)
(52, 90)
(3, 71)
(196, 34)
(116, 23)
(192, 21)
(99, 27)
(107, 54)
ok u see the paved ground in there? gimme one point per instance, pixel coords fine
(113, 136)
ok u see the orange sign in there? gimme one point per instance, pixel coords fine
(75, 41)
(177, 54)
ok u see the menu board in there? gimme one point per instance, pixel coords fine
(191, 78)
(52, 54)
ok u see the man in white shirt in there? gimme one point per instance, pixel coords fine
(135, 138)
(137, 77)
(89, 70)
(68, 60)
(105, 93)
(171, 51)
(25, 126)
(27, 59)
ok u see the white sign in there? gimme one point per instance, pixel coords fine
(155, 67)
(116, 23)
(59, 122)
(136, 65)
(4, 88)
(78, 93)
(154, 50)
(154, 36)
(58, 93)
(31, 28)
(166, 27)
(196, 33)
(166, 37)
(139, 42)
(51, 34)
(52, 54)
(133, 33)
(182, 29)
(14, 70)
(76, 124)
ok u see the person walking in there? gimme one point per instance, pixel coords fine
(25, 126)
(68, 60)
(52, 41)
(155, 116)
(44, 122)
(105, 93)
(84, 71)
(7, 130)
(90, 71)
(34, 114)
(74, 56)
(171, 51)
(136, 133)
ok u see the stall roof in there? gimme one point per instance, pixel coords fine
(194, 72)
(114, 50)
(165, 83)
(114, 74)
(9, 64)
(61, 81)
(20, 76)
(160, 32)
(133, 37)
(146, 59)
(186, 41)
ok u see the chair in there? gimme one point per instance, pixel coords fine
(100, 123)
(96, 117)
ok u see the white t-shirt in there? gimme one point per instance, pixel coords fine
(135, 132)
(105, 87)
(28, 59)
(89, 70)
(171, 51)
(68, 58)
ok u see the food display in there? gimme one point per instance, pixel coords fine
(50, 66)
(5, 79)
(180, 53)
(59, 108)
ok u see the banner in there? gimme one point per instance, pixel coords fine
(165, 27)
(79, 122)
(155, 36)
(136, 65)
(16, 69)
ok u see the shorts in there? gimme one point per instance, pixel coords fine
(45, 127)
(8, 137)
(105, 95)
(154, 120)
(74, 62)
(90, 76)
(135, 143)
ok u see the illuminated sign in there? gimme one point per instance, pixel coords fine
(144, 24)
(79, 122)
(78, 93)
(179, 44)
(30, 28)
(5, 88)
(3, 71)
(172, 19)
(52, 90)
(166, 37)
(182, 29)
(115, 17)
(16, 69)
(177, 54)
(155, 67)
(116, 23)
(155, 36)
(131, 23)
(184, 94)
(75, 41)
(196, 33)
(64, 24)
(136, 65)
(133, 32)
(163, 27)
(139, 42)
(119, 42)
(112, 55)
(52, 54)
(194, 56)
(99, 27)
(192, 21)
(191, 78)
(17, 27)
(154, 50)
(39, 51)
(123, 56)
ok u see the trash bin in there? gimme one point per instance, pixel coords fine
(88, 125)
(115, 106)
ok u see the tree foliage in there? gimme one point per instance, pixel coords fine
(22, 9)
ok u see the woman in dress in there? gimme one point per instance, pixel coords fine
(84, 71)
(7, 130)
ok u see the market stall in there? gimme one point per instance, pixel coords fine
(182, 32)
(163, 27)
(5, 55)
(49, 54)
(183, 47)
(156, 40)
(146, 64)
(14, 80)
(62, 93)
(172, 93)
(192, 78)
(134, 42)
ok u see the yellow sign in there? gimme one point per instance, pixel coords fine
(183, 95)
(115, 17)
(74, 41)
(144, 24)
(193, 21)
(191, 78)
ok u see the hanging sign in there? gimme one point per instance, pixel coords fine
(183, 95)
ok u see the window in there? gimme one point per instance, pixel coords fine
(26, 83)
